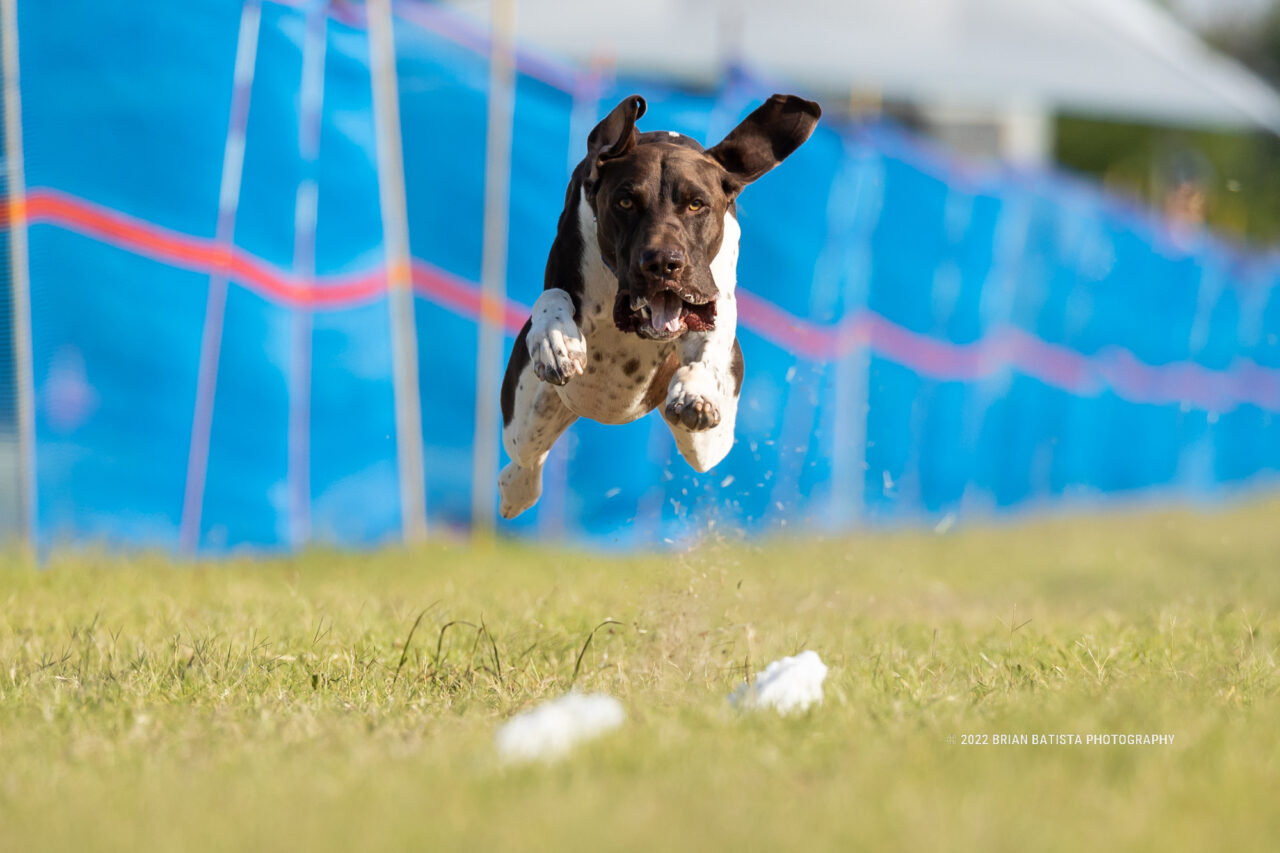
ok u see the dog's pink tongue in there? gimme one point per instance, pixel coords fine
(665, 308)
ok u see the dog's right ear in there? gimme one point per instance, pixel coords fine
(615, 136)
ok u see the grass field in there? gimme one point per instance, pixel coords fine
(262, 705)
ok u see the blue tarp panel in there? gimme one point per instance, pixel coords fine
(921, 337)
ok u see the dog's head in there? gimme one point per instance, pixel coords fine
(660, 202)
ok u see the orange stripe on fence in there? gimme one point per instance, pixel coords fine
(1008, 348)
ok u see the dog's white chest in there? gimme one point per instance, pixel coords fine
(615, 384)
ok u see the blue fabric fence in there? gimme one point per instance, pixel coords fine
(921, 337)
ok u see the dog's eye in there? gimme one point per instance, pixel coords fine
(695, 206)
(625, 203)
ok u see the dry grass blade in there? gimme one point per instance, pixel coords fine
(577, 664)
(446, 627)
(404, 652)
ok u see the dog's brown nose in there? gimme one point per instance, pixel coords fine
(662, 263)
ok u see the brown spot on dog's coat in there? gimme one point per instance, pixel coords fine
(657, 390)
(632, 365)
(513, 377)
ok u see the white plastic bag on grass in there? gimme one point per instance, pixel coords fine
(551, 729)
(787, 686)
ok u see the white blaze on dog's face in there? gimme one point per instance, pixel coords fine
(663, 205)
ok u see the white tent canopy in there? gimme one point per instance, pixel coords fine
(1124, 58)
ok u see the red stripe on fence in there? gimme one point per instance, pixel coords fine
(197, 254)
(203, 255)
(1001, 350)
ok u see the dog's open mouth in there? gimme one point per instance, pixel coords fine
(664, 315)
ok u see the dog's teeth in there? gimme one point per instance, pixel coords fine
(638, 302)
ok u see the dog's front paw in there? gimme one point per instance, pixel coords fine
(558, 354)
(691, 411)
(690, 399)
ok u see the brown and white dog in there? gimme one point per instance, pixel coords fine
(638, 303)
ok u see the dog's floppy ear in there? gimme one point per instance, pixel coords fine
(616, 135)
(766, 137)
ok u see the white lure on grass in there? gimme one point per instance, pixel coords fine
(788, 685)
(550, 730)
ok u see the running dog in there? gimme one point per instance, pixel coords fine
(638, 307)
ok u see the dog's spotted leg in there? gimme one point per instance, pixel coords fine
(702, 398)
(557, 349)
(702, 405)
(533, 417)
(539, 419)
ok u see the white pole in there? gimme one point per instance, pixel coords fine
(395, 239)
(216, 303)
(493, 264)
(304, 265)
(22, 360)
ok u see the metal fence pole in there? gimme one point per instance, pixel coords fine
(216, 305)
(22, 358)
(304, 266)
(395, 231)
(493, 265)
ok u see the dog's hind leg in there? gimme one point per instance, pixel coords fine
(533, 417)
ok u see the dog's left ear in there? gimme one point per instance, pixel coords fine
(765, 138)
(616, 135)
